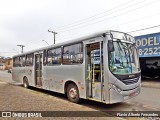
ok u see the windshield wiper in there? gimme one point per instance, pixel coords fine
(119, 48)
(129, 52)
(124, 48)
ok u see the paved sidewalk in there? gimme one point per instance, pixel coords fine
(151, 83)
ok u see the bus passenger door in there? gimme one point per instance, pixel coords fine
(38, 70)
(94, 71)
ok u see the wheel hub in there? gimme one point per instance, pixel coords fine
(25, 84)
(73, 93)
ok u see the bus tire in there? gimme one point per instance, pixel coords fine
(73, 93)
(25, 82)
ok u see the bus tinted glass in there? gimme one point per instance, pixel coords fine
(22, 61)
(73, 54)
(29, 59)
(16, 62)
(54, 56)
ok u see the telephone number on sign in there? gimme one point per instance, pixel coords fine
(149, 51)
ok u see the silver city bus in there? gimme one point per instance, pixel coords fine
(102, 67)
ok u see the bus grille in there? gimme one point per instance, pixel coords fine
(130, 81)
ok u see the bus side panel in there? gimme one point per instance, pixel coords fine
(29, 73)
(56, 76)
(17, 74)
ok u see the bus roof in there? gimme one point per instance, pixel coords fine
(98, 34)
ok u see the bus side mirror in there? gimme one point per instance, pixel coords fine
(110, 46)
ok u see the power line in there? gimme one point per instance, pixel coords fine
(129, 22)
(97, 21)
(93, 19)
(150, 16)
(40, 36)
(15, 50)
(30, 43)
(44, 34)
(120, 24)
(112, 16)
(37, 45)
(103, 12)
(127, 32)
(95, 15)
(144, 29)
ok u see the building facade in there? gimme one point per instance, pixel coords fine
(149, 53)
(2, 63)
(8, 63)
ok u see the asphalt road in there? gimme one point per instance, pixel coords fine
(37, 99)
(6, 77)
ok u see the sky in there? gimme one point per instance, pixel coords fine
(26, 22)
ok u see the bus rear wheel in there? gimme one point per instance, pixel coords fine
(73, 93)
(25, 82)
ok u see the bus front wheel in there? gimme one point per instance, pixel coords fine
(25, 82)
(73, 93)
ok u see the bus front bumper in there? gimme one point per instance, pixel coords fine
(120, 96)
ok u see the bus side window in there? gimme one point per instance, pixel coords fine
(66, 55)
(44, 57)
(16, 62)
(22, 61)
(73, 54)
(29, 59)
(54, 56)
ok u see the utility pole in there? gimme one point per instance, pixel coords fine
(22, 46)
(54, 33)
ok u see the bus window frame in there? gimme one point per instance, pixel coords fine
(47, 56)
(17, 65)
(22, 65)
(30, 64)
(82, 52)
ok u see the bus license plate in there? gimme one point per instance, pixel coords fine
(132, 94)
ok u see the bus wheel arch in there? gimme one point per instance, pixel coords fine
(25, 82)
(71, 89)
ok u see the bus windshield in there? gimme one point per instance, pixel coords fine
(123, 59)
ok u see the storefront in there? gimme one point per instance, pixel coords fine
(149, 53)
